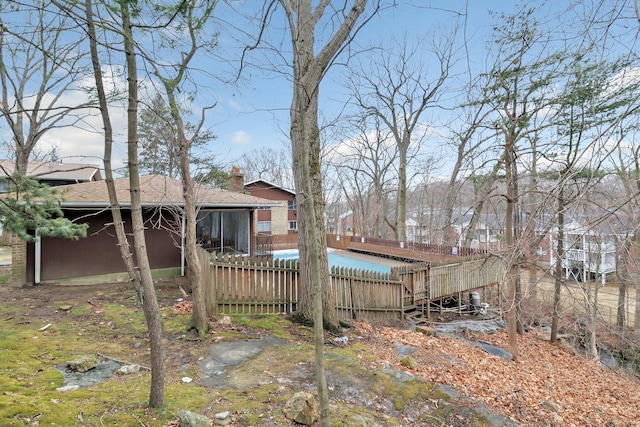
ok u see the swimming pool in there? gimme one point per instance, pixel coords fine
(338, 259)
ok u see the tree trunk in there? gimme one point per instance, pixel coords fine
(199, 318)
(555, 316)
(636, 284)
(621, 318)
(401, 204)
(148, 294)
(141, 281)
(512, 251)
(316, 300)
(312, 241)
(593, 324)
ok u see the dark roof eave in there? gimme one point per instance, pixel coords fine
(93, 205)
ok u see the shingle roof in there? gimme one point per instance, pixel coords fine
(54, 171)
(155, 190)
(268, 184)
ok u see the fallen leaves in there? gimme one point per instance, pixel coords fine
(182, 307)
(548, 386)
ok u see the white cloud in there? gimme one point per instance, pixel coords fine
(241, 137)
(234, 104)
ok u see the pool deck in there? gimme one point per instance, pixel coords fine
(372, 258)
(404, 254)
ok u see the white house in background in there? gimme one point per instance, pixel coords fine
(590, 252)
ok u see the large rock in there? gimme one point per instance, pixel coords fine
(191, 419)
(302, 408)
(83, 364)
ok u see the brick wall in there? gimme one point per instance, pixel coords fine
(279, 220)
(236, 181)
(18, 260)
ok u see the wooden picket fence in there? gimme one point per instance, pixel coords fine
(241, 284)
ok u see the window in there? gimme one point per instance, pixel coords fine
(541, 250)
(291, 205)
(293, 225)
(264, 226)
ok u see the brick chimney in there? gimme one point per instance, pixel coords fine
(236, 180)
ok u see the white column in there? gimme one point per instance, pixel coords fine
(38, 260)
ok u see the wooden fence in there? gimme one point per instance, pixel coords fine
(239, 284)
(420, 247)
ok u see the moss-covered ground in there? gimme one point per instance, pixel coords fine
(47, 326)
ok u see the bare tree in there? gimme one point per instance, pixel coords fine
(269, 164)
(40, 67)
(192, 17)
(627, 167)
(364, 164)
(398, 88)
(468, 137)
(309, 67)
(518, 91)
(138, 268)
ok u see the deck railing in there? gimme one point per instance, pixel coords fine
(419, 247)
(240, 284)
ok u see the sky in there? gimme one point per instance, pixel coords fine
(254, 111)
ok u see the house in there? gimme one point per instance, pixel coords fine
(52, 174)
(225, 224)
(593, 245)
(279, 219)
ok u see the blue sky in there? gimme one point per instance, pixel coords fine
(254, 112)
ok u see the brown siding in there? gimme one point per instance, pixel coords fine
(98, 253)
(264, 215)
(262, 189)
(279, 217)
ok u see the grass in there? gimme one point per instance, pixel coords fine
(28, 357)
(113, 324)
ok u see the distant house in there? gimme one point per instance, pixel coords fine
(225, 224)
(279, 219)
(592, 248)
(52, 174)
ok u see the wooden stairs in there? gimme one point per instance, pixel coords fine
(415, 314)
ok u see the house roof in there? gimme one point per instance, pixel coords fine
(54, 171)
(156, 190)
(269, 184)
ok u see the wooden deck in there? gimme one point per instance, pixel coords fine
(404, 254)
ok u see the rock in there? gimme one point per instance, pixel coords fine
(65, 307)
(137, 344)
(408, 362)
(128, 369)
(223, 418)
(68, 387)
(496, 351)
(225, 320)
(355, 421)
(549, 405)
(427, 330)
(191, 419)
(83, 364)
(405, 350)
(566, 347)
(302, 408)
(341, 340)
